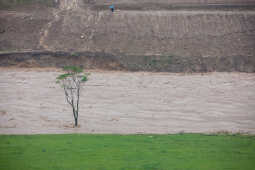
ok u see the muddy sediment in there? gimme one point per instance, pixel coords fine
(181, 36)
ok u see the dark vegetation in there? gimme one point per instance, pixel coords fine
(98, 60)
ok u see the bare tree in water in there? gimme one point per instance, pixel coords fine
(71, 82)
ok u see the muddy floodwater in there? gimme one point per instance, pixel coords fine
(128, 103)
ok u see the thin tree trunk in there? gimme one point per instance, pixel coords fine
(75, 115)
(76, 121)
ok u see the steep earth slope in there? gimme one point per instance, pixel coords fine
(152, 37)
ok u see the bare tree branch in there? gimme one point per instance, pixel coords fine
(71, 83)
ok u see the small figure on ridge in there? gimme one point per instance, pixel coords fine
(112, 8)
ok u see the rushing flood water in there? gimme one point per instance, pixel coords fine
(123, 102)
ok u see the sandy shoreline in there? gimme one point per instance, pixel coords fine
(128, 103)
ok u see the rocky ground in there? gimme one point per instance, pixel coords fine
(124, 102)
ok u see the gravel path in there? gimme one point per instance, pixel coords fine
(124, 102)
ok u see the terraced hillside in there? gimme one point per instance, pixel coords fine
(167, 35)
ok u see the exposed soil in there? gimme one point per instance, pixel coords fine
(144, 28)
(123, 102)
(106, 61)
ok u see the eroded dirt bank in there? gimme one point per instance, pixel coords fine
(123, 102)
(107, 61)
(193, 34)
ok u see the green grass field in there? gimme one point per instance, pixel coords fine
(110, 152)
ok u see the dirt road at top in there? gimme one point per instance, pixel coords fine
(123, 102)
